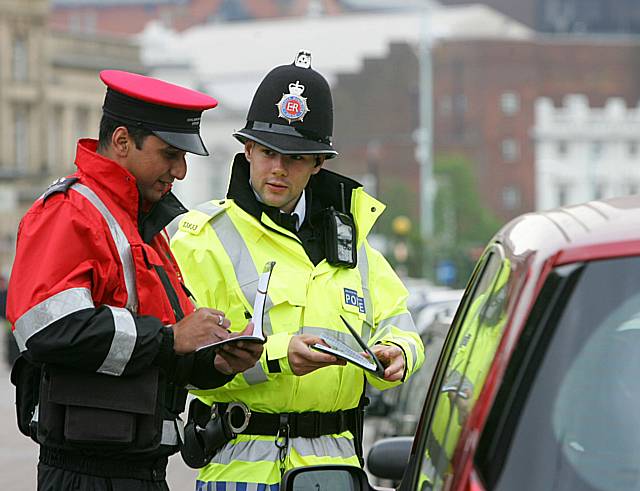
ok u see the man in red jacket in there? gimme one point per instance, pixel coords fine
(97, 303)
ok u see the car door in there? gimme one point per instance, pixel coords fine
(566, 415)
(462, 369)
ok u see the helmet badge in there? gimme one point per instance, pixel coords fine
(292, 106)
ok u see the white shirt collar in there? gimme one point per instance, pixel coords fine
(299, 211)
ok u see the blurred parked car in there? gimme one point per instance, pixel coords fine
(395, 412)
(401, 406)
(537, 384)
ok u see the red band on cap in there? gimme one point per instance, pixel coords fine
(156, 91)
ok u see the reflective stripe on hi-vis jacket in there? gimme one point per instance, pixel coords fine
(221, 249)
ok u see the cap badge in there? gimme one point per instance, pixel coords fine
(292, 106)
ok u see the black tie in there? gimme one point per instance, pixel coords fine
(288, 221)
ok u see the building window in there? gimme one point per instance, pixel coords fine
(632, 149)
(599, 190)
(90, 22)
(632, 188)
(562, 194)
(21, 137)
(20, 59)
(54, 147)
(75, 22)
(511, 197)
(562, 149)
(510, 150)
(510, 103)
(460, 103)
(81, 122)
(597, 148)
(445, 105)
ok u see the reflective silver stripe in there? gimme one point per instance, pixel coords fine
(243, 266)
(235, 247)
(344, 337)
(121, 242)
(50, 310)
(325, 446)
(123, 343)
(36, 413)
(236, 486)
(463, 382)
(266, 450)
(363, 268)
(251, 486)
(248, 451)
(238, 252)
(170, 434)
(404, 322)
(255, 375)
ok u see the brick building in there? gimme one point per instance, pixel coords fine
(483, 107)
(128, 17)
(581, 16)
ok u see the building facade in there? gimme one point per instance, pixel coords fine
(483, 108)
(583, 152)
(50, 95)
(569, 16)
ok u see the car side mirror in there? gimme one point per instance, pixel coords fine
(325, 478)
(388, 458)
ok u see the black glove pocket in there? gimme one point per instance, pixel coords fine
(92, 410)
(94, 425)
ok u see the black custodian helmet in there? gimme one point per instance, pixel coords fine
(292, 111)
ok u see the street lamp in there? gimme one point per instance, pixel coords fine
(425, 130)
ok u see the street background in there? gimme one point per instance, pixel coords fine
(458, 115)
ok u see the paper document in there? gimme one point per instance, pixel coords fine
(345, 352)
(257, 336)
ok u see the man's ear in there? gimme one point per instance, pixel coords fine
(318, 165)
(121, 141)
(248, 148)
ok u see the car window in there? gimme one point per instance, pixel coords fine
(579, 424)
(477, 334)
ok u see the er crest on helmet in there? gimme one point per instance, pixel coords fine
(292, 106)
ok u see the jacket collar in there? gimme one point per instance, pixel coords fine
(111, 179)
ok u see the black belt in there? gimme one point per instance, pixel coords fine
(307, 425)
(147, 470)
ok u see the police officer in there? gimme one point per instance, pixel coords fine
(97, 303)
(297, 406)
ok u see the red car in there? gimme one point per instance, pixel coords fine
(538, 383)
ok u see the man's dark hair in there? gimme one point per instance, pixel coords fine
(108, 125)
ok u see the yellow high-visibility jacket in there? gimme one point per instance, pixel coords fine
(221, 249)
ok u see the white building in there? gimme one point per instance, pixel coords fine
(584, 153)
(228, 61)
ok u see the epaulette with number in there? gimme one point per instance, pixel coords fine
(194, 221)
(60, 185)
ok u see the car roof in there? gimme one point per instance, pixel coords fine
(593, 230)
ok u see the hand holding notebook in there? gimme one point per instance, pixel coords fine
(257, 336)
(341, 350)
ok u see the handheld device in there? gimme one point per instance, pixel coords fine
(257, 335)
(345, 352)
